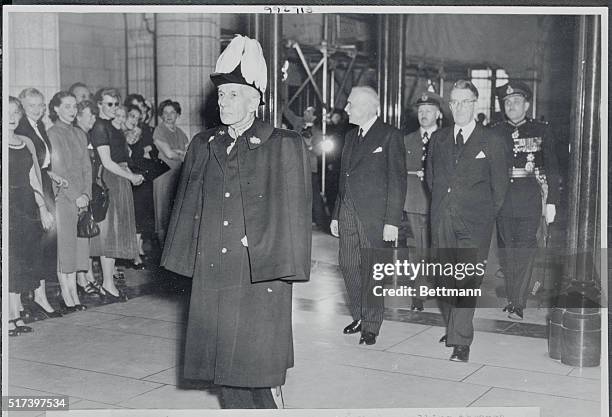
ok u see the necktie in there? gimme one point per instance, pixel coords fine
(459, 138)
(360, 135)
(425, 142)
(458, 145)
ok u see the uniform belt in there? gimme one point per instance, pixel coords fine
(523, 173)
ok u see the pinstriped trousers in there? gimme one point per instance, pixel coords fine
(355, 260)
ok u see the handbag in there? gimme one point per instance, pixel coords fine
(100, 199)
(148, 168)
(86, 225)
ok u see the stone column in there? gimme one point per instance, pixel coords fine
(141, 63)
(187, 47)
(33, 53)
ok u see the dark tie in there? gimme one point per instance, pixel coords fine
(360, 135)
(425, 142)
(459, 138)
(458, 145)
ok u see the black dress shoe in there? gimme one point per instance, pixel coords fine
(442, 339)
(516, 313)
(417, 304)
(368, 338)
(508, 308)
(461, 353)
(80, 307)
(354, 327)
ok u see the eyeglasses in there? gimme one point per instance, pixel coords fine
(462, 103)
(111, 104)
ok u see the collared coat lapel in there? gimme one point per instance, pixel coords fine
(470, 149)
(370, 142)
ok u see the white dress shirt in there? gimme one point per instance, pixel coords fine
(466, 131)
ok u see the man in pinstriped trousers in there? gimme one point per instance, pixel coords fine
(369, 206)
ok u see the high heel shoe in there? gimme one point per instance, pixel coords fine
(89, 289)
(21, 329)
(41, 312)
(65, 309)
(110, 298)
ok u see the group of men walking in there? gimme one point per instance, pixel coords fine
(446, 189)
(242, 221)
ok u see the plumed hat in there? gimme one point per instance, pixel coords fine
(242, 62)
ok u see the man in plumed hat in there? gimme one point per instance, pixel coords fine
(241, 227)
(533, 171)
(414, 231)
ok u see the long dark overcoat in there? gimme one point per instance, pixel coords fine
(243, 336)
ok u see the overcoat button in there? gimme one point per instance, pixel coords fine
(225, 223)
(224, 250)
(449, 189)
(227, 195)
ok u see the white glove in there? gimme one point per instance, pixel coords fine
(390, 233)
(334, 228)
(551, 211)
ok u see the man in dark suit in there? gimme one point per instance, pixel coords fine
(414, 231)
(369, 205)
(468, 177)
(241, 227)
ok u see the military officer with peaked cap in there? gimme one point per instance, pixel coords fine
(241, 227)
(414, 230)
(534, 167)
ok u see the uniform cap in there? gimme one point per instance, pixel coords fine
(429, 98)
(514, 88)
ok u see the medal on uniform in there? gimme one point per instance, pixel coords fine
(530, 165)
(515, 134)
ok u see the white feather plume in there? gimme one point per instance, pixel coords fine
(248, 53)
(231, 56)
(253, 65)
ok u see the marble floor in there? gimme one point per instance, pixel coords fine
(127, 356)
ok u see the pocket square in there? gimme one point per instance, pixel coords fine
(379, 149)
(481, 155)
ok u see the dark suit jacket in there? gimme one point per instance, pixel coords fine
(375, 181)
(277, 199)
(473, 190)
(417, 193)
(24, 128)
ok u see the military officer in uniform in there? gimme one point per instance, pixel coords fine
(414, 230)
(534, 168)
(241, 227)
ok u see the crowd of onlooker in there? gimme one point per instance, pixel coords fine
(85, 157)
(82, 155)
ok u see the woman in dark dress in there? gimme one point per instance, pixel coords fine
(28, 217)
(84, 120)
(117, 238)
(32, 127)
(141, 147)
